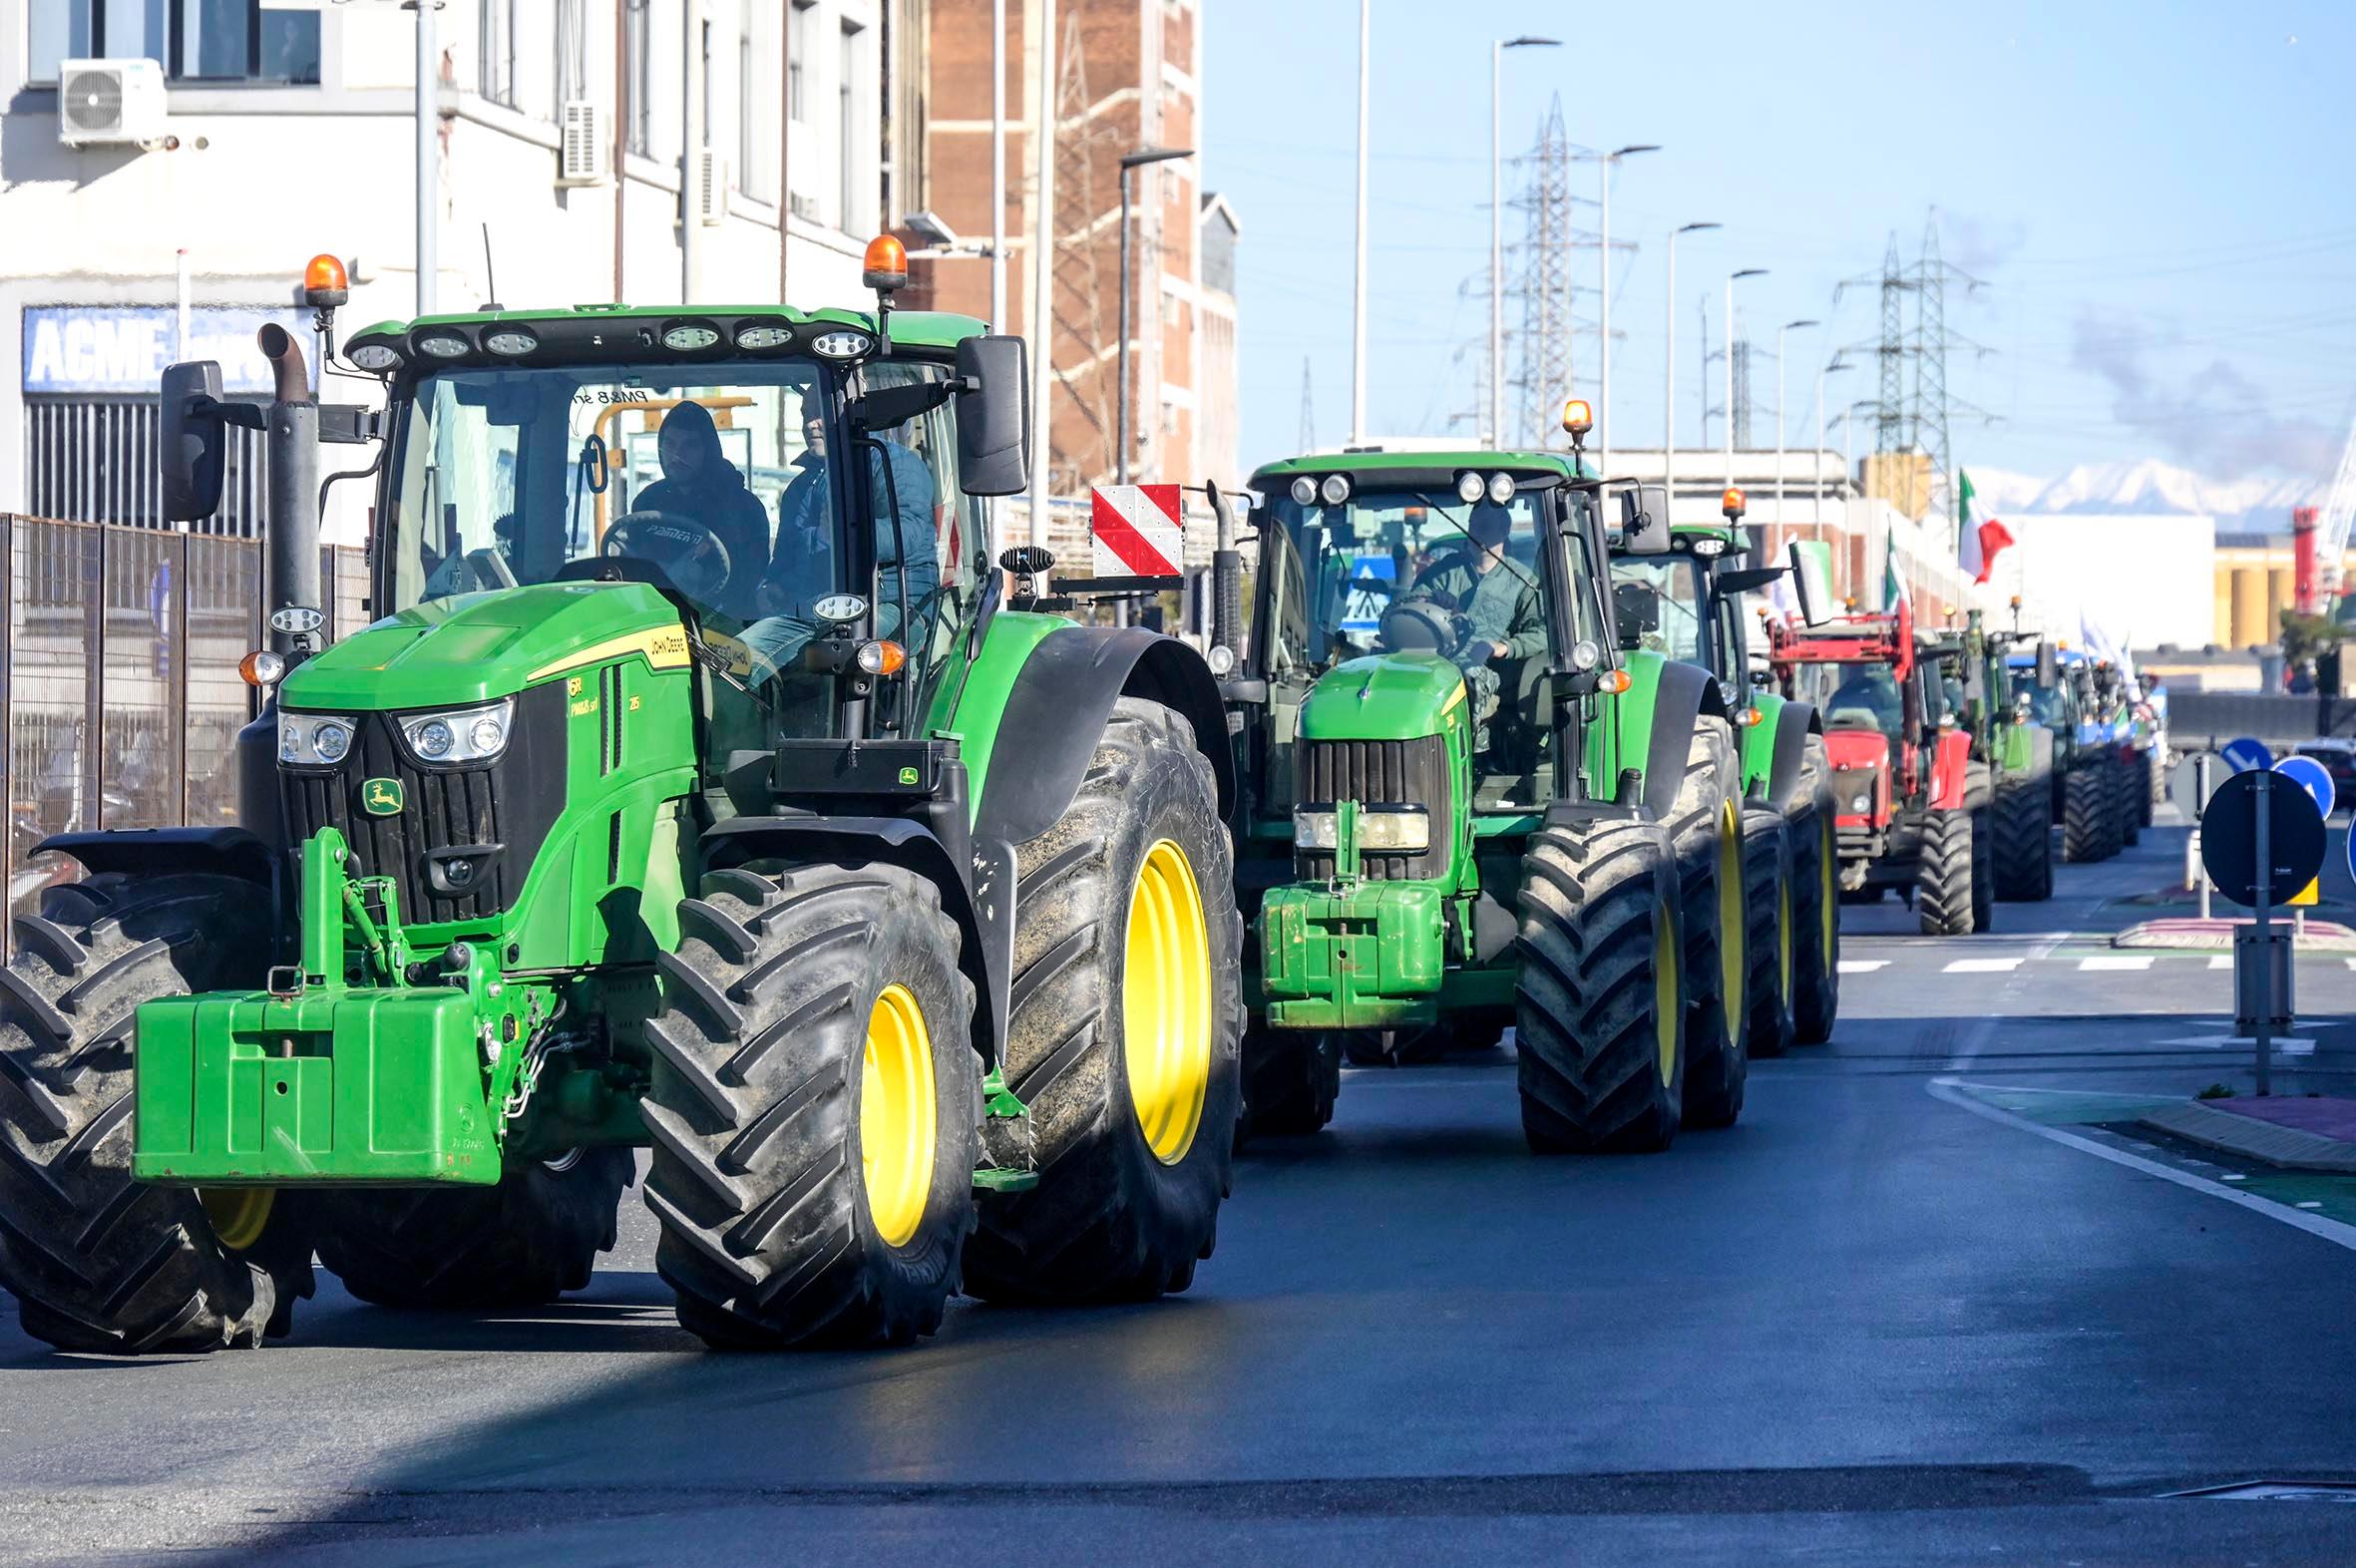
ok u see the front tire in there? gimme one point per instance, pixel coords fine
(1600, 1015)
(1771, 942)
(1123, 1031)
(1815, 876)
(1943, 898)
(1291, 1078)
(2086, 816)
(97, 1261)
(526, 1241)
(2021, 826)
(814, 1108)
(1706, 827)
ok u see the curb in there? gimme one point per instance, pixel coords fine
(2286, 1148)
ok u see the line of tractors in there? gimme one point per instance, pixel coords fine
(710, 783)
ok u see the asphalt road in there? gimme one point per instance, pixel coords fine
(1926, 1303)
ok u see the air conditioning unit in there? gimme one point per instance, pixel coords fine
(711, 188)
(110, 103)
(581, 143)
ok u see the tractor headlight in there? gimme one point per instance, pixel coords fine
(1863, 802)
(475, 734)
(1394, 830)
(310, 740)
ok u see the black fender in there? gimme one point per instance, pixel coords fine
(219, 851)
(1061, 699)
(979, 898)
(1685, 694)
(1794, 723)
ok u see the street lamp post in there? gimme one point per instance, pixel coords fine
(1780, 331)
(997, 166)
(1357, 293)
(429, 145)
(1669, 412)
(1497, 50)
(1732, 279)
(1129, 163)
(1603, 363)
(1832, 367)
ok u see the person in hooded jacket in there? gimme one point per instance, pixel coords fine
(701, 486)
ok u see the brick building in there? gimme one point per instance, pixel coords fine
(1126, 78)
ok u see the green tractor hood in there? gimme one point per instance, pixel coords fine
(1384, 697)
(476, 647)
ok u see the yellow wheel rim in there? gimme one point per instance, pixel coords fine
(1828, 902)
(1665, 999)
(238, 1214)
(1166, 1002)
(1731, 915)
(899, 1123)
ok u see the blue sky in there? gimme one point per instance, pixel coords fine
(2158, 198)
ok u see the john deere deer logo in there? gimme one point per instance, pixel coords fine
(381, 797)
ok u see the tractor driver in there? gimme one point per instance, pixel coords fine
(1499, 599)
(701, 486)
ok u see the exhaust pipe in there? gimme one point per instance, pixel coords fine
(291, 547)
(1227, 578)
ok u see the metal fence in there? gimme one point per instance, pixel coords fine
(95, 458)
(119, 699)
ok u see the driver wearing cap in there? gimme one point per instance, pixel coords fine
(1499, 599)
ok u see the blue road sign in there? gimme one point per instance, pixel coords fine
(2311, 776)
(2247, 753)
(1371, 580)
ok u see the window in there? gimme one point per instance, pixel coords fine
(193, 40)
(797, 56)
(746, 121)
(710, 97)
(495, 50)
(847, 129)
(1657, 601)
(1382, 547)
(571, 63)
(927, 529)
(640, 72)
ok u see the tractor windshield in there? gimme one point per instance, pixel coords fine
(727, 478)
(2048, 707)
(1473, 560)
(1858, 696)
(1657, 601)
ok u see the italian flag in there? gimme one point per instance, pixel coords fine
(1978, 537)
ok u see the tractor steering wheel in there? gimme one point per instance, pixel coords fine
(688, 552)
(1418, 625)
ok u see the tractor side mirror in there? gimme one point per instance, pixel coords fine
(1636, 610)
(1809, 583)
(2048, 669)
(993, 415)
(1643, 520)
(190, 457)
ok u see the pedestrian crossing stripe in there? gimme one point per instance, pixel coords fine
(1983, 966)
(1862, 966)
(2139, 961)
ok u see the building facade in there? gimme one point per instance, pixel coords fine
(254, 134)
(1125, 77)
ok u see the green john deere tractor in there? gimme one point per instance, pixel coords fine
(1688, 601)
(1467, 805)
(698, 790)
(2016, 750)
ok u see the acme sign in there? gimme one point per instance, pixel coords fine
(123, 349)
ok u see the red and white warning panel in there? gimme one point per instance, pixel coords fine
(1136, 531)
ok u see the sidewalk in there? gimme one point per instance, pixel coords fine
(2302, 1133)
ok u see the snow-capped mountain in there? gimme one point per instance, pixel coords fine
(2241, 506)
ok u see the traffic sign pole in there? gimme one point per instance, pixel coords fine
(2200, 790)
(2265, 890)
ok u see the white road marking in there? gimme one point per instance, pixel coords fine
(2311, 1204)
(1862, 966)
(1955, 1092)
(2224, 960)
(2142, 962)
(1975, 1039)
(2234, 1176)
(1983, 966)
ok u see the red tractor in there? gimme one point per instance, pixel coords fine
(1911, 802)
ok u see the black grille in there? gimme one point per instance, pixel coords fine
(1381, 773)
(505, 807)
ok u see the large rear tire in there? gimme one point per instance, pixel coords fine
(1123, 1036)
(1772, 940)
(1943, 898)
(1815, 879)
(1983, 872)
(1290, 1077)
(1600, 1014)
(2133, 799)
(528, 1240)
(2086, 816)
(97, 1261)
(2021, 826)
(814, 1108)
(1705, 831)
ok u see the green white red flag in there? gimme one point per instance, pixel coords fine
(1978, 537)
